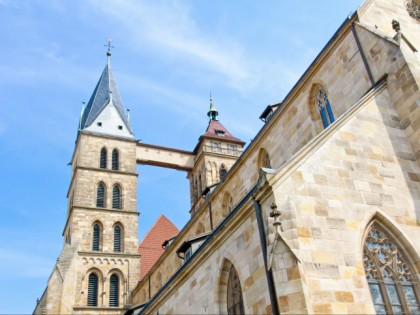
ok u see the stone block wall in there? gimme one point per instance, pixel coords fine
(328, 201)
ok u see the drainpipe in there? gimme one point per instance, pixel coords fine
(149, 288)
(359, 46)
(211, 217)
(268, 273)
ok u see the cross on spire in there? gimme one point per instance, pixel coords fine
(108, 53)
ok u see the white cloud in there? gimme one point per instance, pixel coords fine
(170, 27)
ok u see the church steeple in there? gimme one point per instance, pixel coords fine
(105, 112)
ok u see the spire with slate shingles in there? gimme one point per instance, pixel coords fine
(105, 108)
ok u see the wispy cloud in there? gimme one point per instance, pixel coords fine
(169, 27)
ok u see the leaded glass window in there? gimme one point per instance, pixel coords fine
(102, 160)
(114, 291)
(92, 298)
(393, 286)
(324, 108)
(235, 303)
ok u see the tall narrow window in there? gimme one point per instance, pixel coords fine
(393, 285)
(117, 239)
(96, 237)
(116, 197)
(100, 196)
(114, 291)
(115, 160)
(235, 303)
(102, 160)
(200, 190)
(222, 172)
(92, 298)
(324, 108)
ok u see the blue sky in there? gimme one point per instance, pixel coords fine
(168, 56)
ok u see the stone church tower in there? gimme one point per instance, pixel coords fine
(99, 264)
(215, 153)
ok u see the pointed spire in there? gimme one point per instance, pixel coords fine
(212, 113)
(106, 97)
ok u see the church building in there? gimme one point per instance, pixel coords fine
(319, 213)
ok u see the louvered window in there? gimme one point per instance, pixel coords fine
(100, 196)
(115, 161)
(96, 239)
(102, 160)
(113, 291)
(92, 299)
(116, 197)
(117, 239)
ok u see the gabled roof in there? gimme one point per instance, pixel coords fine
(100, 99)
(150, 248)
(216, 130)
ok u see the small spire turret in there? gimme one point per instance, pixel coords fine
(212, 113)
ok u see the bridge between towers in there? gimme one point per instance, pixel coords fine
(149, 154)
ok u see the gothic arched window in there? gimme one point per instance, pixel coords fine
(222, 172)
(392, 283)
(324, 107)
(100, 196)
(115, 160)
(116, 197)
(114, 289)
(102, 160)
(264, 159)
(200, 189)
(96, 237)
(92, 297)
(117, 239)
(235, 303)
(227, 204)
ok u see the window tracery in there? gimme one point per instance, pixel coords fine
(392, 284)
(235, 303)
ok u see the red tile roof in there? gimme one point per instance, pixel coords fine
(216, 130)
(150, 248)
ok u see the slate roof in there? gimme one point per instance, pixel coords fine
(150, 248)
(100, 99)
(214, 130)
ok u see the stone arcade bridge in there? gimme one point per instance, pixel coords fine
(148, 154)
